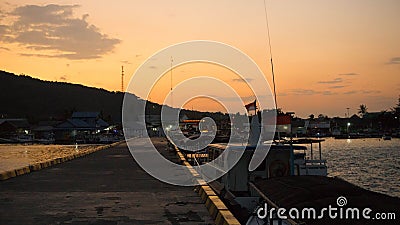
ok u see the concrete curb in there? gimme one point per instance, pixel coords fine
(215, 206)
(217, 209)
(41, 165)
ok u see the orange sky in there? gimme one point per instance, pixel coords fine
(328, 55)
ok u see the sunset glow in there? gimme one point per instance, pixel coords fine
(328, 55)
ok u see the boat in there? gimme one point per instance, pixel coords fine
(290, 176)
(49, 140)
(107, 138)
(293, 174)
(24, 138)
(6, 141)
(286, 157)
(387, 137)
(319, 192)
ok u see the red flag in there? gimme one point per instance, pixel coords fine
(251, 106)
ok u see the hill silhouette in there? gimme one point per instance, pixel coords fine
(35, 99)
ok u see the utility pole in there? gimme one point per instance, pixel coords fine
(172, 99)
(122, 79)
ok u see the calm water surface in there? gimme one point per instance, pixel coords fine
(373, 164)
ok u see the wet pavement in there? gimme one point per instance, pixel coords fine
(106, 187)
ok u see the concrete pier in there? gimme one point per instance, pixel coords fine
(105, 187)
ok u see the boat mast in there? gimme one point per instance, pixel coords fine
(272, 64)
(270, 53)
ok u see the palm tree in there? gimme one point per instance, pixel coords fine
(362, 110)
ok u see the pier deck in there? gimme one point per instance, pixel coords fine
(106, 187)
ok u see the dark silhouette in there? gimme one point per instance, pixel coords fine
(362, 110)
(26, 97)
(37, 100)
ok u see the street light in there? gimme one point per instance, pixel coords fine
(348, 125)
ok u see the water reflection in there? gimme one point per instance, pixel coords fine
(370, 163)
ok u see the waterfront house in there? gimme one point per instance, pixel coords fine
(44, 131)
(14, 128)
(81, 127)
(92, 119)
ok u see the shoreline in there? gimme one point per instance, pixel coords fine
(34, 164)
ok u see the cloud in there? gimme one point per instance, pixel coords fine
(328, 93)
(53, 30)
(394, 60)
(303, 92)
(365, 92)
(310, 92)
(2, 15)
(247, 80)
(370, 92)
(349, 74)
(235, 99)
(125, 62)
(3, 30)
(334, 81)
(37, 55)
(337, 87)
(4, 48)
(350, 92)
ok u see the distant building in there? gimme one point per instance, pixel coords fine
(92, 119)
(44, 131)
(283, 124)
(154, 125)
(13, 127)
(319, 127)
(299, 127)
(81, 127)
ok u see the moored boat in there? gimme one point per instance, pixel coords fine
(293, 174)
(387, 137)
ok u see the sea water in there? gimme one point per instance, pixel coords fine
(371, 163)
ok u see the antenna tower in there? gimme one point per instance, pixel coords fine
(172, 97)
(122, 79)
